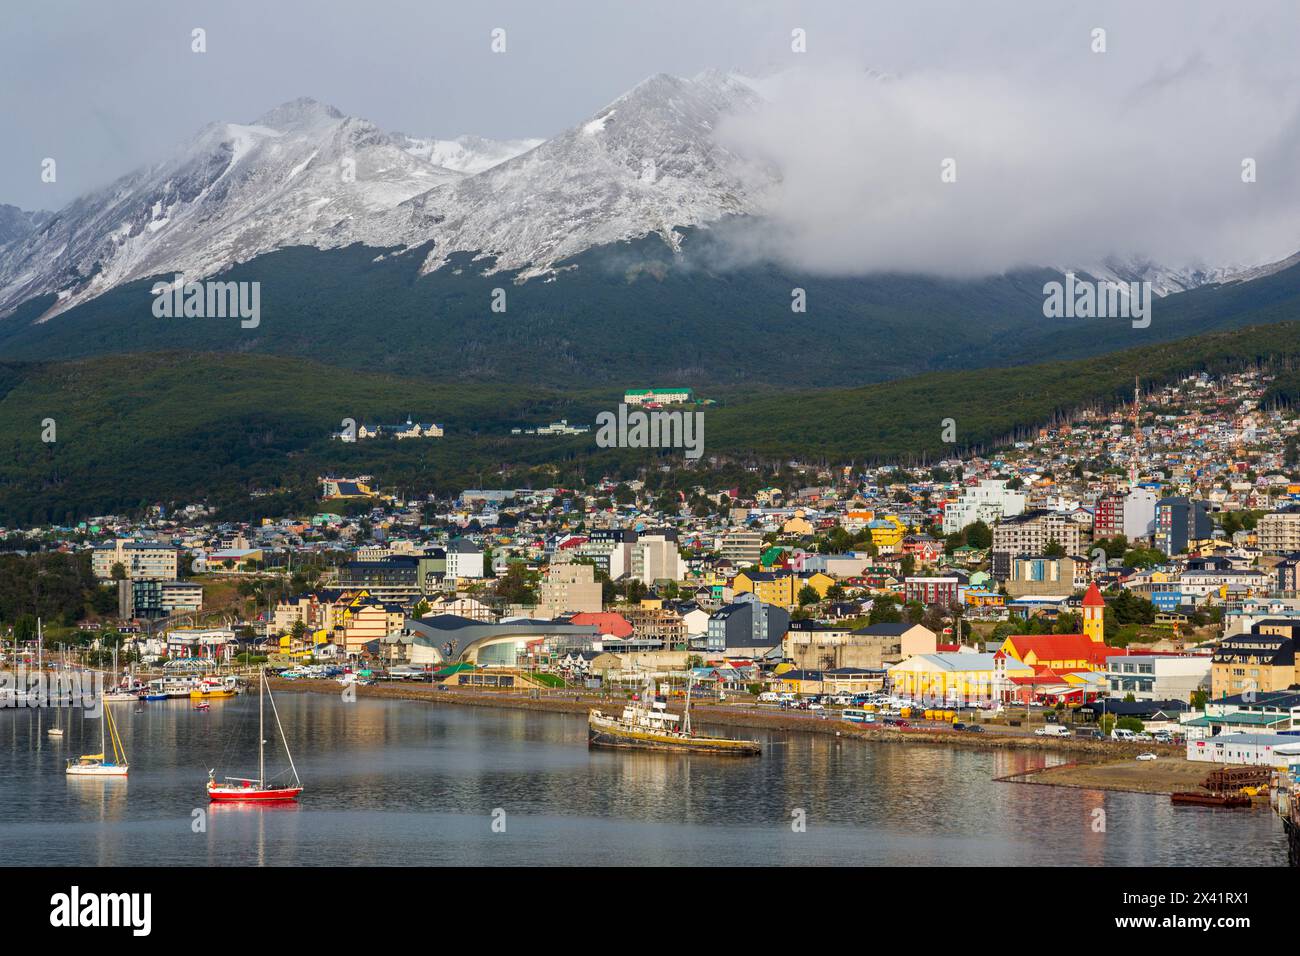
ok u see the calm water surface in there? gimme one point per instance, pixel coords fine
(409, 783)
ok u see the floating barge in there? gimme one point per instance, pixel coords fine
(1203, 798)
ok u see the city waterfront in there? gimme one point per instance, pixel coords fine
(401, 782)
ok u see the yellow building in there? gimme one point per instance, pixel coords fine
(771, 587)
(1094, 614)
(780, 587)
(887, 533)
(1259, 662)
(947, 675)
(982, 597)
(798, 524)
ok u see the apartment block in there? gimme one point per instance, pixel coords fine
(141, 560)
(569, 588)
(1031, 532)
(742, 548)
(1279, 532)
(990, 501)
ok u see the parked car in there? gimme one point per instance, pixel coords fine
(973, 729)
(1088, 733)
(1052, 730)
(1148, 755)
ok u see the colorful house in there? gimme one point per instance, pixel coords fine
(887, 533)
(957, 676)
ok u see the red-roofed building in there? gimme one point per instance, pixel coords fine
(607, 621)
(1061, 653)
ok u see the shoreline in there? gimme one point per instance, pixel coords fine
(729, 716)
(1161, 777)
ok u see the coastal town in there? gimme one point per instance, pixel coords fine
(1124, 579)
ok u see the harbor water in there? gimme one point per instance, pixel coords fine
(413, 783)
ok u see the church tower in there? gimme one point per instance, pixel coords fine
(1094, 614)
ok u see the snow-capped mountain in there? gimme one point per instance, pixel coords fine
(467, 154)
(305, 174)
(16, 223)
(234, 192)
(647, 163)
(1165, 280)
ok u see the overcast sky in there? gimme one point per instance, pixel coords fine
(1185, 90)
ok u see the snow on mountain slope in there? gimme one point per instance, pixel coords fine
(646, 163)
(17, 223)
(1165, 280)
(233, 193)
(467, 154)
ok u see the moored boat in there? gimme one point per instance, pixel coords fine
(1209, 799)
(250, 789)
(647, 724)
(100, 764)
(211, 688)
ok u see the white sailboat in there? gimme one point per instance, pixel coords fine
(100, 765)
(56, 698)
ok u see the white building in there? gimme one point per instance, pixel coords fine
(989, 501)
(655, 558)
(464, 560)
(209, 643)
(1158, 676)
(1139, 513)
(1262, 750)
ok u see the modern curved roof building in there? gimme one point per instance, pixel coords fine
(451, 639)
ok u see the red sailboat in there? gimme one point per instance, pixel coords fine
(248, 789)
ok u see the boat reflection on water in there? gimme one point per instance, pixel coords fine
(252, 808)
(104, 797)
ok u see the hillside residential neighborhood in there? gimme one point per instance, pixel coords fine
(1144, 556)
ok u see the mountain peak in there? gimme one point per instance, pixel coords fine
(302, 113)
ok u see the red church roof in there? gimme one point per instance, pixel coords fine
(1064, 647)
(1093, 596)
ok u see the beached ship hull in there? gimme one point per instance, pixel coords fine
(603, 731)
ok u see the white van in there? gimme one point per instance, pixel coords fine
(768, 697)
(1052, 730)
(1118, 734)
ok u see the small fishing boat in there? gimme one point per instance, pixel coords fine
(203, 705)
(214, 689)
(100, 765)
(257, 790)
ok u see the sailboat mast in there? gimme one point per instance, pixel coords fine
(686, 714)
(261, 729)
